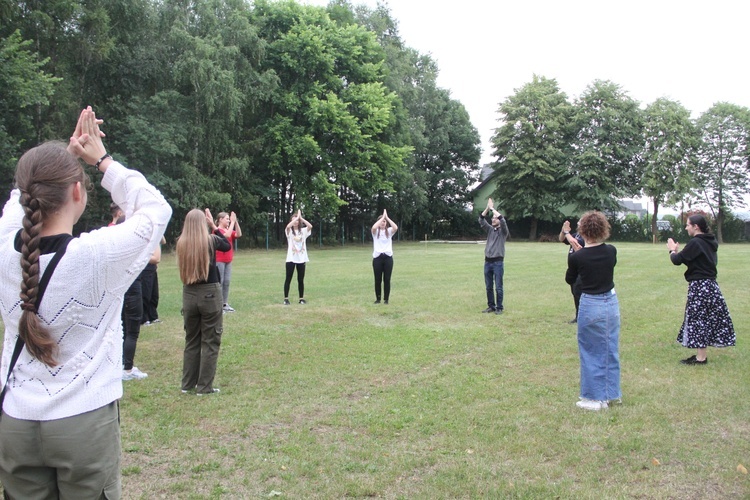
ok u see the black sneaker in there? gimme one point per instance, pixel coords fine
(498, 311)
(692, 360)
(385, 302)
(377, 301)
(489, 310)
(573, 321)
(286, 302)
(302, 301)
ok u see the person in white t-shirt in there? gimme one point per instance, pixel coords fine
(297, 232)
(382, 255)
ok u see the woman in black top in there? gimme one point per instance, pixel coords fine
(707, 321)
(202, 300)
(598, 314)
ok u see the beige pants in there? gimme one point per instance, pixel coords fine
(75, 457)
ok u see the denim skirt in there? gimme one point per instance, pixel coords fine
(598, 346)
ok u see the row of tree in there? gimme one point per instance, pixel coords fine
(267, 107)
(260, 109)
(602, 147)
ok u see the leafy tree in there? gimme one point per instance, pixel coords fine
(668, 155)
(450, 156)
(533, 147)
(609, 138)
(723, 173)
(434, 189)
(324, 133)
(23, 84)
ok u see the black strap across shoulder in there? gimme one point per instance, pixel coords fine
(40, 293)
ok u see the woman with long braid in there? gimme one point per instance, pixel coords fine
(59, 427)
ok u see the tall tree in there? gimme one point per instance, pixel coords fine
(723, 174)
(325, 132)
(533, 147)
(671, 140)
(23, 85)
(609, 139)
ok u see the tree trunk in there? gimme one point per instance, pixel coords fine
(654, 225)
(532, 229)
(719, 224)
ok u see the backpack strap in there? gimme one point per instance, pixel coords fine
(40, 293)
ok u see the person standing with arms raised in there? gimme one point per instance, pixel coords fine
(62, 351)
(382, 255)
(297, 232)
(494, 255)
(230, 228)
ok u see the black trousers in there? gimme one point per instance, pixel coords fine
(132, 313)
(150, 291)
(290, 266)
(382, 267)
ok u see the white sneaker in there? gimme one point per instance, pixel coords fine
(228, 308)
(588, 404)
(215, 390)
(134, 374)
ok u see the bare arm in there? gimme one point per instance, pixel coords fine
(393, 225)
(374, 227)
(210, 220)
(307, 224)
(564, 231)
(235, 224)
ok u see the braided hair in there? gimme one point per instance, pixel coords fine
(43, 175)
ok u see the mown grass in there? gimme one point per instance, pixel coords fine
(428, 398)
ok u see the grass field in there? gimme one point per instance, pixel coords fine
(428, 398)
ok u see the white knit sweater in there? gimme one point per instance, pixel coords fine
(82, 304)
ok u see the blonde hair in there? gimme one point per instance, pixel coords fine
(194, 248)
(43, 175)
(220, 216)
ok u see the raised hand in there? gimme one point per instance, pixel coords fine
(86, 141)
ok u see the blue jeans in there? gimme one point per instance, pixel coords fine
(598, 346)
(493, 275)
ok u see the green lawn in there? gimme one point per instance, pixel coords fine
(428, 398)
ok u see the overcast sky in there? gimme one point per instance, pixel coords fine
(695, 53)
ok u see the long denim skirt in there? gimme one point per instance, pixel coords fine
(598, 346)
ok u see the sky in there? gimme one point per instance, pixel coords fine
(691, 52)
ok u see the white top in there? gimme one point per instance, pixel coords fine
(82, 305)
(297, 246)
(382, 242)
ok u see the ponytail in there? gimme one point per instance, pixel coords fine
(701, 222)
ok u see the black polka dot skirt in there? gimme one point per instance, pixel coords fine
(707, 321)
